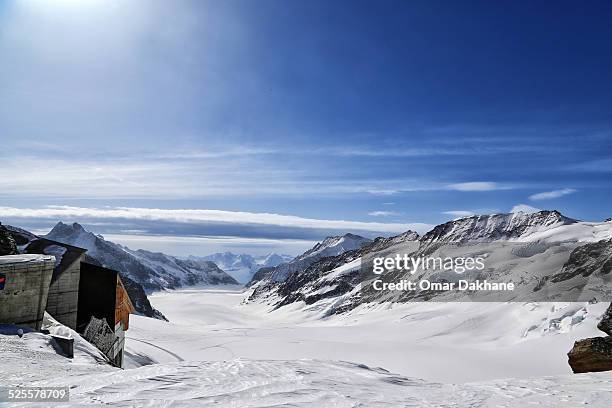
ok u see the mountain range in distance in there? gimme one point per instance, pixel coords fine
(246, 268)
(153, 270)
(242, 267)
(329, 270)
(144, 271)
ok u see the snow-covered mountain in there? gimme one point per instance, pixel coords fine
(547, 255)
(152, 270)
(330, 246)
(242, 267)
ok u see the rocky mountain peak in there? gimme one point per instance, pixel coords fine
(348, 235)
(407, 236)
(77, 227)
(273, 259)
(63, 229)
(338, 244)
(60, 227)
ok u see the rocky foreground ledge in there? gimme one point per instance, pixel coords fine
(594, 354)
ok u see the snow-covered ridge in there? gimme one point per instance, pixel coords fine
(496, 226)
(335, 245)
(329, 247)
(549, 268)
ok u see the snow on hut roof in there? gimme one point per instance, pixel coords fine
(23, 258)
(65, 255)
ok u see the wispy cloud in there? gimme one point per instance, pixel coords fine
(548, 195)
(477, 186)
(180, 174)
(384, 213)
(136, 176)
(434, 150)
(234, 151)
(593, 166)
(384, 192)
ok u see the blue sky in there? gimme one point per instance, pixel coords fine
(295, 119)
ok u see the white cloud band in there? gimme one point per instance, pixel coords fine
(202, 216)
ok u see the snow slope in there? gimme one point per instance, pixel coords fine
(449, 342)
(312, 383)
(34, 356)
(231, 354)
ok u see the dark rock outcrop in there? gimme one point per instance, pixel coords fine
(21, 236)
(260, 274)
(588, 259)
(606, 323)
(8, 246)
(591, 355)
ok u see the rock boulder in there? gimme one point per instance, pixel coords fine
(591, 355)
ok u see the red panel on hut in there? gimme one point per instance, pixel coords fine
(123, 305)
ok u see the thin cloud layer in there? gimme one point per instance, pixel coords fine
(475, 186)
(207, 222)
(548, 195)
(383, 213)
